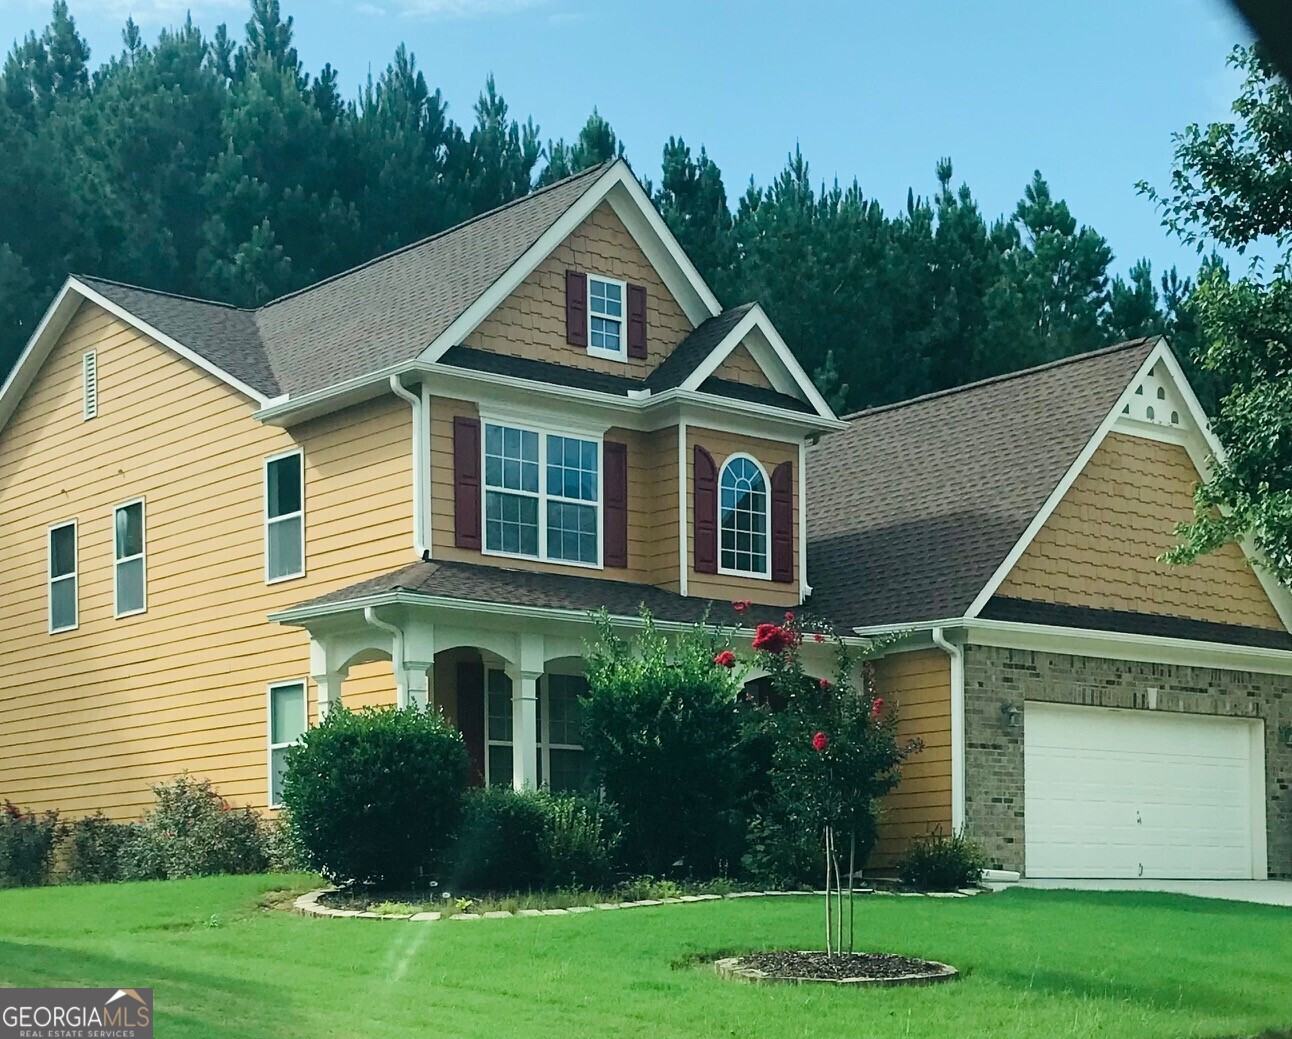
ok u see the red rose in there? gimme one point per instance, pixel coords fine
(824, 683)
(818, 637)
(772, 638)
(789, 617)
(725, 659)
(819, 742)
(877, 708)
(740, 607)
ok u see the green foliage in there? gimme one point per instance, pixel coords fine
(192, 831)
(27, 840)
(782, 854)
(937, 862)
(578, 843)
(1232, 187)
(94, 847)
(661, 724)
(375, 795)
(282, 847)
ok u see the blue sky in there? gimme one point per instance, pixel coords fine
(1087, 92)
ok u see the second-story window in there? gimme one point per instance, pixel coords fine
(284, 517)
(743, 518)
(605, 317)
(129, 573)
(62, 577)
(542, 495)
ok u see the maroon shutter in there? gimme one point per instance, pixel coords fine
(471, 716)
(783, 522)
(636, 320)
(706, 512)
(576, 308)
(466, 482)
(615, 480)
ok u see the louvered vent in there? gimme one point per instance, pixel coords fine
(90, 384)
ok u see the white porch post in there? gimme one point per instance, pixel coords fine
(329, 687)
(524, 712)
(417, 683)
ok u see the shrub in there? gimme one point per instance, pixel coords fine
(782, 854)
(94, 848)
(937, 862)
(375, 795)
(661, 725)
(192, 831)
(499, 846)
(578, 843)
(282, 846)
(27, 842)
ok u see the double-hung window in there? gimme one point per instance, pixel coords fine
(129, 572)
(284, 517)
(62, 577)
(286, 727)
(562, 764)
(542, 495)
(606, 317)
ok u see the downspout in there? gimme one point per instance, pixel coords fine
(957, 655)
(396, 653)
(419, 475)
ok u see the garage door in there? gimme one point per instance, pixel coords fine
(1140, 794)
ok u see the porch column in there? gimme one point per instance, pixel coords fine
(417, 683)
(524, 711)
(329, 687)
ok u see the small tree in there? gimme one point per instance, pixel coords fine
(375, 795)
(661, 724)
(835, 753)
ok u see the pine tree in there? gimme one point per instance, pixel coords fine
(595, 144)
(693, 201)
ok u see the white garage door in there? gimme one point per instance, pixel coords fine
(1141, 794)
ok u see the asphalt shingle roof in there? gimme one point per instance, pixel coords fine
(691, 351)
(915, 505)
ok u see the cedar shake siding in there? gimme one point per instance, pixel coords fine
(740, 366)
(90, 718)
(537, 319)
(1099, 548)
(917, 686)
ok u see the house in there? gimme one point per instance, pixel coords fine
(412, 482)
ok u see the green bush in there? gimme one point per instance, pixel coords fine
(578, 843)
(661, 724)
(937, 862)
(27, 842)
(192, 831)
(282, 846)
(783, 855)
(375, 795)
(499, 846)
(94, 847)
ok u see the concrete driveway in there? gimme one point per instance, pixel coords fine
(1265, 892)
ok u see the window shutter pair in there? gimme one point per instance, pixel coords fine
(466, 492)
(705, 504)
(576, 314)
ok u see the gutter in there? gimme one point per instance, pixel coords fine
(396, 653)
(957, 655)
(421, 542)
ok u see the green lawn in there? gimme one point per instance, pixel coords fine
(1037, 965)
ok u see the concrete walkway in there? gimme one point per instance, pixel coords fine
(1265, 892)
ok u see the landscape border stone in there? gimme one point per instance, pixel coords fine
(729, 967)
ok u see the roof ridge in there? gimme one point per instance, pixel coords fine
(162, 292)
(1003, 377)
(601, 168)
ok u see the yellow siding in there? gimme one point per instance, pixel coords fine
(89, 719)
(740, 366)
(918, 685)
(1100, 546)
(531, 321)
(771, 453)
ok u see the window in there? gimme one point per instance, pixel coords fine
(90, 385)
(286, 727)
(743, 518)
(284, 517)
(562, 765)
(129, 570)
(542, 494)
(498, 753)
(62, 577)
(605, 317)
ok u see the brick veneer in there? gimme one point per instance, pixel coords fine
(994, 751)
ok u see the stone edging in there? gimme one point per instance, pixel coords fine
(730, 967)
(309, 904)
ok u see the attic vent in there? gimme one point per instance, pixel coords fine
(90, 384)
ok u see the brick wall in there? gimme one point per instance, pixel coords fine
(994, 750)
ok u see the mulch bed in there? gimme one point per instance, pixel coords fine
(878, 968)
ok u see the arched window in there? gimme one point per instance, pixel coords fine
(743, 517)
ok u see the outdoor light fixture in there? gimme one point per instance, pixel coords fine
(1011, 714)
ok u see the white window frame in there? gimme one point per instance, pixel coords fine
(89, 385)
(142, 556)
(543, 497)
(766, 573)
(269, 731)
(299, 453)
(596, 351)
(74, 576)
(544, 736)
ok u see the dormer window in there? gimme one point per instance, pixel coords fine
(605, 317)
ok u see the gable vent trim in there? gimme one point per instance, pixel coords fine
(90, 385)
